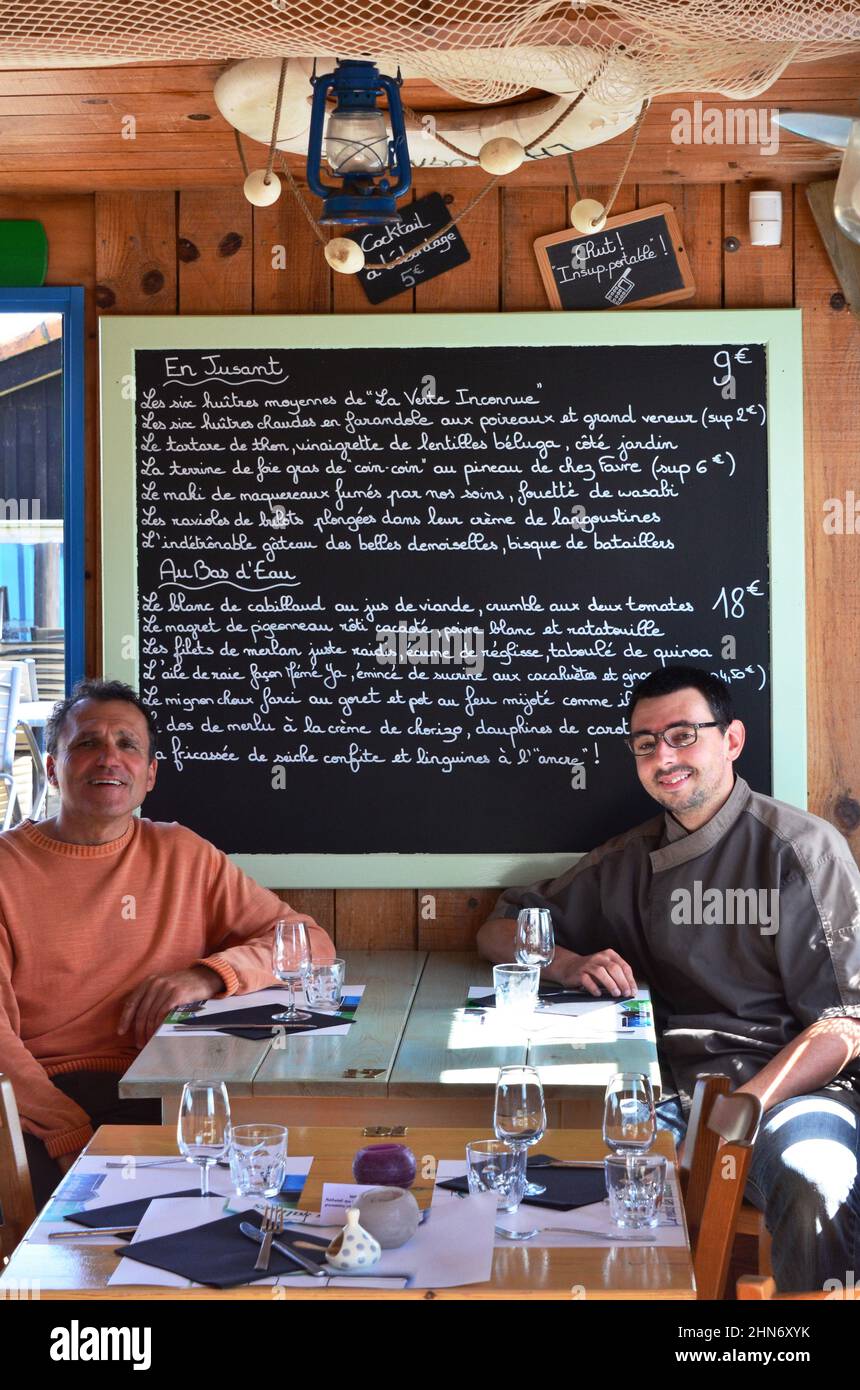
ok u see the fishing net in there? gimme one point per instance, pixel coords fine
(482, 51)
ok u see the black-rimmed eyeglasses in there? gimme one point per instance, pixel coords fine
(675, 735)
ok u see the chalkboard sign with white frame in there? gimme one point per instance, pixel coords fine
(391, 580)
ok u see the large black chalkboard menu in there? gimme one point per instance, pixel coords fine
(392, 599)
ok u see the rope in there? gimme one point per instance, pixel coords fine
(300, 199)
(389, 265)
(276, 123)
(643, 108)
(239, 146)
(576, 188)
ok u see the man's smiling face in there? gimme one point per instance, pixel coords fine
(102, 764)
(690, 782)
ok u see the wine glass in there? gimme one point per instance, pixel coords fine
(520, 1113)
(203, 1127)
(629, 1119)
(291, 961)
(535, 943)
(535, 940)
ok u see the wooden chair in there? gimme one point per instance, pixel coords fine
(49, 656)
(761, 1286)
(17, 1209)
(31, 782)
(694, 1184)
(713, 1177)
(10, 694)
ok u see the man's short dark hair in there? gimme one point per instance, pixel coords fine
(670, 679)
(102, 691)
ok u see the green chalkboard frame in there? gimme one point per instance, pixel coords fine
(778, 330)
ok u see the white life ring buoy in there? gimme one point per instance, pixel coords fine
(246, 93)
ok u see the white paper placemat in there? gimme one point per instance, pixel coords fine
(594, 1217)
(275, 997)
(90, 1184)
(593, 1019)
(454, 1246)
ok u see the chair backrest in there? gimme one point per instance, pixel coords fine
(734, 1119)
(10, 694)
(700, 1147)
(762, 1287)
(29, 689)
(17, 1209)
(50, 664)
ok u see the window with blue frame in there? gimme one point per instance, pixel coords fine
(41, 484)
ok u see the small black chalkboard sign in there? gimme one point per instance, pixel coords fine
(418, 221)
(638, 258)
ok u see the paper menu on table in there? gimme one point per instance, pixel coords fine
(670, 1232)
(455, 1247)
(90, 1184)
(277, 998)
(579, 1018)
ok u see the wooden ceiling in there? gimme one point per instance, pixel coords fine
(61, 130)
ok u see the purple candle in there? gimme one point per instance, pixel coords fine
(385, 1165)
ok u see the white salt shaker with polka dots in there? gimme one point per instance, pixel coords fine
(354, 1248)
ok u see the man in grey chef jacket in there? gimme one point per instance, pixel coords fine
(759, 979)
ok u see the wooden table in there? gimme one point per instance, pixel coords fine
(451, 1064)
(313, 1078)
(73, 1270)
(407, 1059)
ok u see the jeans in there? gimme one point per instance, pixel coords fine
(97, 1093)
(805, 1178)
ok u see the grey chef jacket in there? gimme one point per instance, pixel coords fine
(728, 994)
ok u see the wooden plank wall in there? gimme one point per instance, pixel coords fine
(205, 251)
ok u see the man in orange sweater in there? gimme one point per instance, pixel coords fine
(107, 922)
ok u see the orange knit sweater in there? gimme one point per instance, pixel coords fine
(81, 925)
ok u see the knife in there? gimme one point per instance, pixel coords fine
(814, 125)
(258, 1237)
(92, 1231)
(216, 1024)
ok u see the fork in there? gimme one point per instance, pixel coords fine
(271, 1225)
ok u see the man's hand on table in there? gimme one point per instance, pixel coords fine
(65, 1161)
(602, 970)
(152, 1000)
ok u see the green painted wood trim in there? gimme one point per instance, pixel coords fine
(400, 870)
(779, 330)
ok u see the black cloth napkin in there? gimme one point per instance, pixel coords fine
(566, 1188)
(553, 994)
(218, 1254)
(123, 1213)
(260, 1013)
